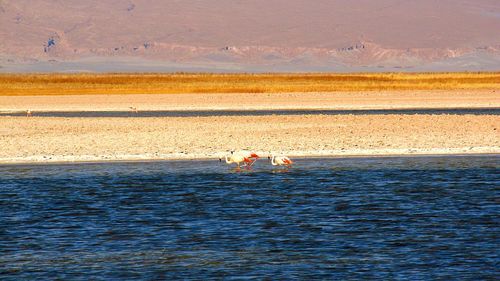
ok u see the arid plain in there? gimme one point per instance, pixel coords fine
(59, 139)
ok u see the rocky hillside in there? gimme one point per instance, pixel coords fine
(259, 34)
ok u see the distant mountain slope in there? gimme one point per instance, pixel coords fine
(253, 34)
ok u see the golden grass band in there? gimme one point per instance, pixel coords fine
(78, 84)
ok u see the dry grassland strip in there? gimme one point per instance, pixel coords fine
(157, 83)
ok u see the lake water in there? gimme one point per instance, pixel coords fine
(408, 218)
(209, 113)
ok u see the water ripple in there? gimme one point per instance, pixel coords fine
(360, 218)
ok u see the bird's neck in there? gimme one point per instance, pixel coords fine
(229, 160)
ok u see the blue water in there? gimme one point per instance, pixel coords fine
(415, 218)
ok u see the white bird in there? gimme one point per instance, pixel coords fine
(248, 154)
(252, 156)
(134, 109)
(237, 158)
(29, 113)
(280, 160)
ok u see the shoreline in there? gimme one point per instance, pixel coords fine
(265, 108)
(128, 136)
(50, 139)
(376, 153)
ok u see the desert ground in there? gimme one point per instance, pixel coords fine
(57, 139)
(94, 139)
(256, 101)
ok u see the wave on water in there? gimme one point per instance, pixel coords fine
(326, 218)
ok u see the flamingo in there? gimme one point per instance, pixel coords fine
(237, 159)
(29, 113)
(248, 154)
(280, 161)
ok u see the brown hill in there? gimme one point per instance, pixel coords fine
(250, 35)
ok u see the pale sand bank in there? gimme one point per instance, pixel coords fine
(47, 139)
(263, 154)
(256, 101)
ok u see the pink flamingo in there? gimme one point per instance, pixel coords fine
(250, 155)
(237, 159)
(280, 161)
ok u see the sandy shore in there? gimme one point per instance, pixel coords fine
(51, 139)
(336, 100)
(48, 139)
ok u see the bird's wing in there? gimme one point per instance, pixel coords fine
(241, 153)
